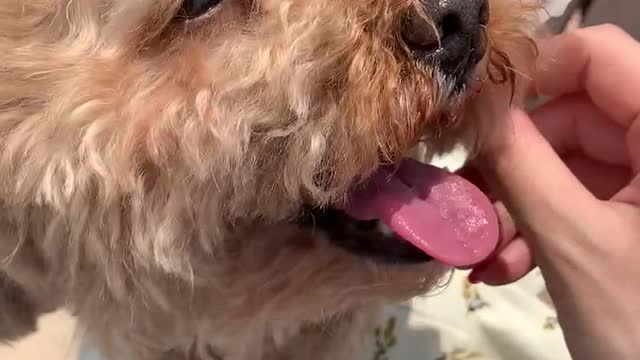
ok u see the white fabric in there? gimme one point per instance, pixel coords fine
(465, 322)
(556, 7)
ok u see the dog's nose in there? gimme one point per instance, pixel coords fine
(449, 34)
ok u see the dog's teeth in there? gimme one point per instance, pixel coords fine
(384, 229)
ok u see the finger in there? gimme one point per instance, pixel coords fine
(603, 180)
(508, 229)
(535, 184)
(512, 264)
(630, 194)
(513, 258)
(572, 123)
(633, 143)
(600, 60)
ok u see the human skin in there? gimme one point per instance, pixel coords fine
(566, 181)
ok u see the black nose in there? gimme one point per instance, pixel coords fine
(450, 36)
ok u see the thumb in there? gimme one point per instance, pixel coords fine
(537, 188)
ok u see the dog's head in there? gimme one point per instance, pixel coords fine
(217, 139)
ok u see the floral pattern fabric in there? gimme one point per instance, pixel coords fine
(464, 321)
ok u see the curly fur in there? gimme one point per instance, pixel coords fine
(148, 167)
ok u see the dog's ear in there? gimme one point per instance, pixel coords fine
(18, 314)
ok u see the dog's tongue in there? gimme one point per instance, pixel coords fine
(440, 213)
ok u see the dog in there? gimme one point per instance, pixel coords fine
(193, 179)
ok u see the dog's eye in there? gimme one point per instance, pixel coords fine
(192, 9)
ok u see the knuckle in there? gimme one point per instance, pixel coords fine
(611, 30)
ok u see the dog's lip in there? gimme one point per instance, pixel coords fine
(369, 239)
(438, 212)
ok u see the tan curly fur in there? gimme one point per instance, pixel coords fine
(149, 168)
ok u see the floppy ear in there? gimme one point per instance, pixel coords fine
(18, 314)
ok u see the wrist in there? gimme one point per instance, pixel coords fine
(599, 317)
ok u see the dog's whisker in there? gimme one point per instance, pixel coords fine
(519, 73)
(7, 260)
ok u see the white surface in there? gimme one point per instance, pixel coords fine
(471, 322)
(556, 7)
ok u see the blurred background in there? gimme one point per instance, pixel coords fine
(625, 13)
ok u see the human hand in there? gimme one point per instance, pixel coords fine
(567, 180)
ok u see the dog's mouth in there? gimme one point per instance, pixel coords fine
(410, 213)
(366, 238)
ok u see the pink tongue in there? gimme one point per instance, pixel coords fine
(438, 212)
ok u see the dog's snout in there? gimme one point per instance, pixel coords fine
(448, 33)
